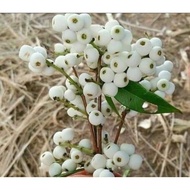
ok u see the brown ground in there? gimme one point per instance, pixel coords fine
(28, 118)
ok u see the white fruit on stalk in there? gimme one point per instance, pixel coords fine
(41, 50)
(77, 47)
(84, 36)
(88, 167)
(78, 102)
(133, 59)
(121, 80)
(135, 161)
(109, 89)
(48, 71)
(83, 77)
(120, 158)
(69, 165)
(77, 156)
(110, 24)
(156, 53)
(98, 161)
(25, 52)
(92, 65)
(37, 60)
(168, 65)
(75, 22)
(57, 92)
(106, 173)
(134, 74)
(69, 84)
(91, 90)
(91, 54)
(128, 148)
(171, 89)
(114, 46)
(103, 37)
(161, 61)
(163, 85)
(110, 164)
(105, 108)
(97, 172)
(87, 19)
(118, 65)
(35, 70)
(156, 42)
(147, 66)
(92, 105)
(86, 143)
(106, 74)
(72, 59)
(153, 83)
(57, 138)
(165, 75)
(117, 32)
(146, 84)
(60, 62)
(107, 57)
(95, 28)
(111, 149)
(143, 46)
(71, 112)
(69, 36)
(96, 117)
(59, 152)
(59, 48)
(160, 93)
(128, 37)
(69, 95)
(47, 158)
(68, 134)
(55, 169)
(59, 23)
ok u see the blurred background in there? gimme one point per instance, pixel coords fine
(29, 118)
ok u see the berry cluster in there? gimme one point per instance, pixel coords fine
(113, 60)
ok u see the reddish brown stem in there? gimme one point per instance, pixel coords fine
(99, 139)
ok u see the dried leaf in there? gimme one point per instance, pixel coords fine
(146, 124)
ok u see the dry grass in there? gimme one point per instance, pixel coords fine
(28, 118)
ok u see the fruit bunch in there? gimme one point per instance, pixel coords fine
(113, 60)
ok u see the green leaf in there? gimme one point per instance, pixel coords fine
(134, 95)
(112, 105)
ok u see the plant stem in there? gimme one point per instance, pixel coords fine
(123, 114)
(99, 138)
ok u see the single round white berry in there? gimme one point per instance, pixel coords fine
(143, 46)
(120, 158)
(105, 108)
(83, 78)
(60, 62)
(98, 161)
(57, 92)
(75, 22)
(156, 42)
(87, 19)
(146, 84)
(41, 50)
(96, 117)
(97, 172)
(69, 95)
(59, 48)
(118, 65)
(121, 80)
(163, 85)
(161, 60)
(84, 36)
(171, 89)
(68, 134)
(128, 36)
(109, 89)
(110, 164)
(78, 102)
(86, 143)
(135, 161)
(156, 53)
(77, 156)
(37, 60)
(72, 59)
(71, 112)
(92, 105)
(57, 138)
(111, 149)
(69, 36)
(91, 90)
(106, 74)
(107, 57)
(95, 28)
(35, 70)
(103, 37)
(48, 71)
(114, 46)
(147, 66)
(128, 148)
(69, 84)
(47, 158)
(88, 167)
(110, 24)
(25, 52)
(69, 165)
(133, 59)
(59, 23)
(106, 173)
(92, 65)
(91, 54)
(160, 93)
(77, 47)
(165, 75)
(134, 74)
(59, 152)
(55, 169)
(117, 32)
(168, 65)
